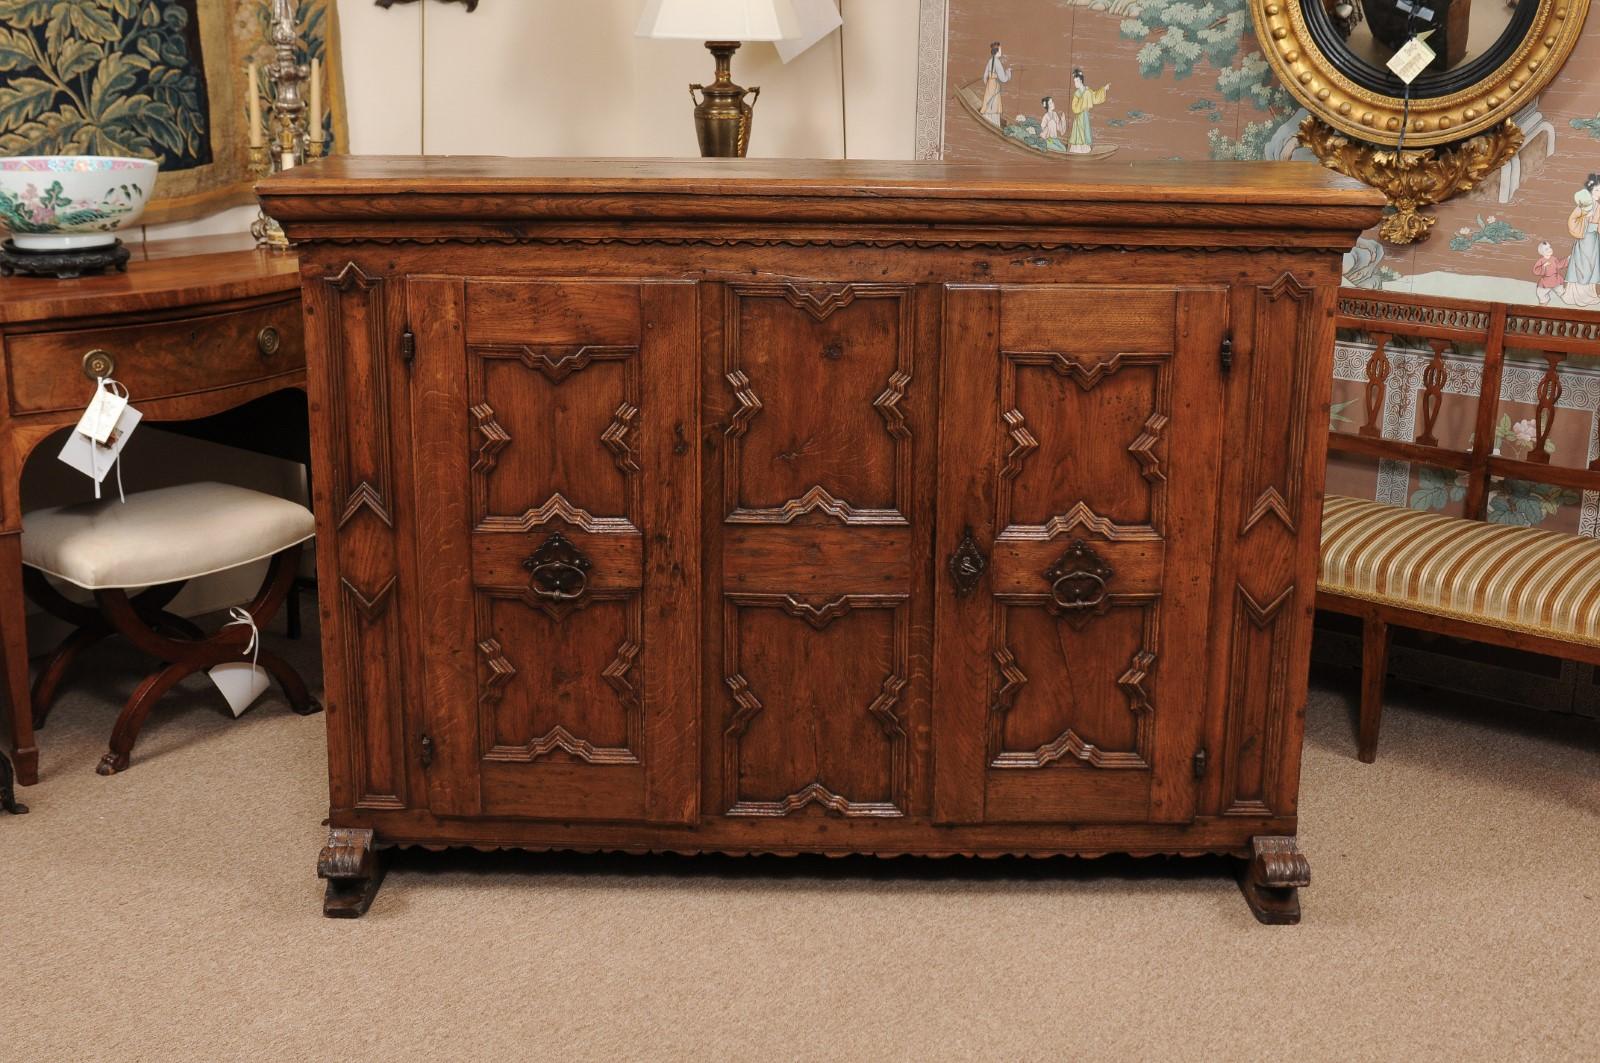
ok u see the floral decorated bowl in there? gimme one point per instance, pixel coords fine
(66, 202)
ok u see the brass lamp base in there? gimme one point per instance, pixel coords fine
(721, 115)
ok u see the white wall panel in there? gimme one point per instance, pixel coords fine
(549, 77)
(880, 76)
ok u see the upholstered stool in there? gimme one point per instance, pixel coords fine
(160, 540)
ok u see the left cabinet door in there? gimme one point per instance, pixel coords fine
(558, 546)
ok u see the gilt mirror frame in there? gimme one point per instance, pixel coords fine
(1492, 88)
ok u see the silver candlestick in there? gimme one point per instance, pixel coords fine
(289, 141)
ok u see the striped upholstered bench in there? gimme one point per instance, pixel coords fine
(1512, 586)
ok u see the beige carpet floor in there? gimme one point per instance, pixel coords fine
(172, 913)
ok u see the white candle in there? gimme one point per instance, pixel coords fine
(316, 101)
(258, 137)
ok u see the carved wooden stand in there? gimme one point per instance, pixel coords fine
(1271, 880)
(354, 871)
(65, 265)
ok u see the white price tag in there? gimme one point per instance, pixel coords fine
(99, 420)
(241, 683)
(1412, 59)
(95, 460)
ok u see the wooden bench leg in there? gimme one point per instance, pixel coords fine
(1374, 669)
(55, 667)
(185, 657)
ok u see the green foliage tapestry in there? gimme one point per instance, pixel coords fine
(157, 79)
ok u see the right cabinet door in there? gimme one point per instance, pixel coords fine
(1080, 444)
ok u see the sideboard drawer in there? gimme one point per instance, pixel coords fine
(160, 359)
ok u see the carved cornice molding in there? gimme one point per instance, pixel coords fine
(1333, 247)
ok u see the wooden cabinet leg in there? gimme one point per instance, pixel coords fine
(16, 703)
(1374, 669)
(1272, 877)
(354, 870)
(8, 793)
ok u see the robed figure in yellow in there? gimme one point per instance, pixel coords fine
(1084, 99)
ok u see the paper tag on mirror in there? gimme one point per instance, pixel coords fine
(1412, 59)
(241, 684)
(100, 418)
(93, 459)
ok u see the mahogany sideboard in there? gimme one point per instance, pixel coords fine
(805, 506)
(193, 328)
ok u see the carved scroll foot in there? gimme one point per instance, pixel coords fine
(1271, 879)
(8, 793)
(354, 870)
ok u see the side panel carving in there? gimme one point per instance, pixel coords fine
(1258, 692)
(359, 431)
(1272, 498)
(1276, 444)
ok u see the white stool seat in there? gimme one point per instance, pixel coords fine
(161, 536)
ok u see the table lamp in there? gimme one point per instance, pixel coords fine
(721, 115)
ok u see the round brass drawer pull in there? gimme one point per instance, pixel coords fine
(269, 340)
(99, 364)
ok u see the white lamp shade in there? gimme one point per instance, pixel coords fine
(818, 18)
(719, 20)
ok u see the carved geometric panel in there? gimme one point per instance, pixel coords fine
(814, 715)
(560, 689)
(1083, 430)
(574, 421)
(1074, 695)
(819, 375)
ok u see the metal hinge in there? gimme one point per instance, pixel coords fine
(1200, 763)
(1226, 353)
(408, 347)
(427, 751)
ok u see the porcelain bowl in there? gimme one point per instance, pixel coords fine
(64, 202)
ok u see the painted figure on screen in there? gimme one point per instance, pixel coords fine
(1052, 124)
(1583, 266)
(1084, 100)
(995, 74)
(1552, 274)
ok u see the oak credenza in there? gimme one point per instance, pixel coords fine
(806, 506)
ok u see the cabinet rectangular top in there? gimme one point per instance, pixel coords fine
(1202, 181)
(1188, 204)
